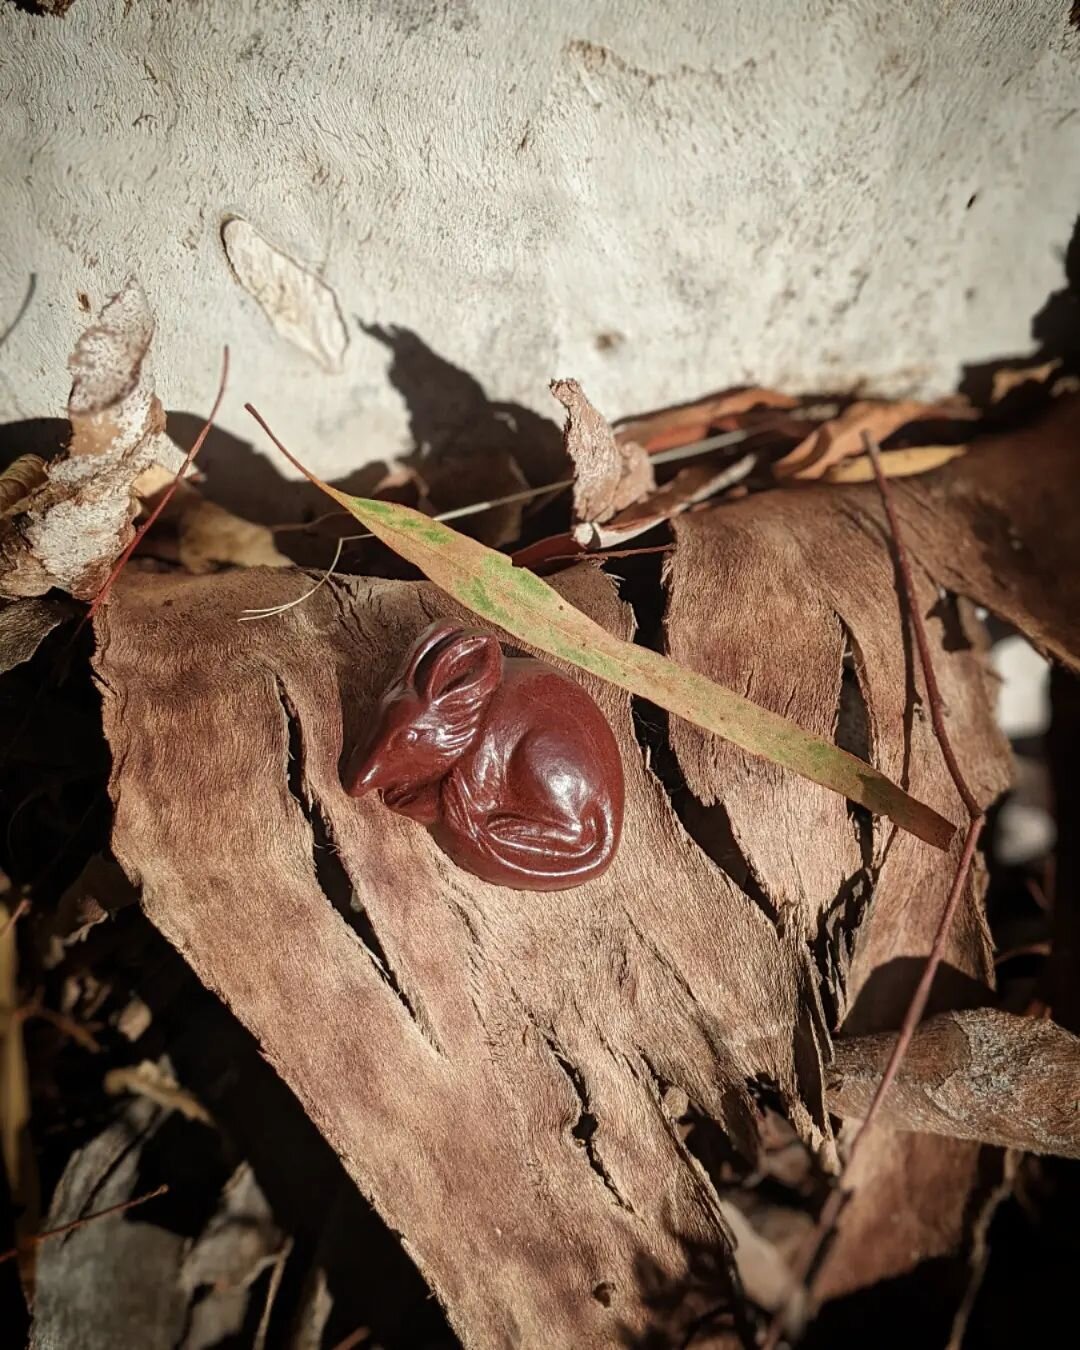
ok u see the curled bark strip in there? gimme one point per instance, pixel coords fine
(981, 1074)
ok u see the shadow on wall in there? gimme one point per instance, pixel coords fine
(1056, 329)
(449, 412)
(464, 445)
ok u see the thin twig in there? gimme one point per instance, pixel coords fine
(16, 914)
(807, 1256)
(681, 452)
(37, 1238)
(249, 615)
(276, 1274)
(933, 691)
(354, 1338)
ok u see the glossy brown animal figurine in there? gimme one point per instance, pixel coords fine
(510, 764)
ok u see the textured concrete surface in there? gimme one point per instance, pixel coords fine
(658, 200)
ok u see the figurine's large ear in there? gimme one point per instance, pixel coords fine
(462, 672)
(419, 655)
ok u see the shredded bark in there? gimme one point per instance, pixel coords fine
(487, 1063)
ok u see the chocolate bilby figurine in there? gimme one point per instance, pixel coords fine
(510, 764)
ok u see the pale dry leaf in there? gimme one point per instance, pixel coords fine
(907, 463)
(842, 436)
(112, 1283)
(157, 1084)
(607, 476)
(1008, 378)
(73, 526)
(238, 1243)
(209, 535)
(299, 304)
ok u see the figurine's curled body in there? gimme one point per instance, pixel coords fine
(510, 764)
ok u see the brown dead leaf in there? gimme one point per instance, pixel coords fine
(18, 481)
(72, 527)
(841, 436)
(209, 536)
(608, 476)
(674, 427)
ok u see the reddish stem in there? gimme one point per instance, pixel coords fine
(166, 496)
(37, 1238)
(808, 1254)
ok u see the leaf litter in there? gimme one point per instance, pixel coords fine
(826, 913)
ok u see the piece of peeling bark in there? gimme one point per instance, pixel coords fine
(71, 528)
(608, 475)
(802, 614)
(842, 436)
(980, 1074)
(26, 623)
(299, 305)
(491, 1066)
(1002, 526)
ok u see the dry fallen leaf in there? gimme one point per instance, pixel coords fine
(157, 1084)
(608, 476)
(895, 463)
(675, 427)
(692, 485)
(841, 436)
(69, 530)
(300, 305)
(209, 535)
(1009, 378)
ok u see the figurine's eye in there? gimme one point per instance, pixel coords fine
(411, 736)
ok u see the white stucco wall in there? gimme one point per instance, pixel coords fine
(658, 199)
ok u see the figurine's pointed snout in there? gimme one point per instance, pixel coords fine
(367, 770)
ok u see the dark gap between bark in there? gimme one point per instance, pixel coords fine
(330, 872)
(708, 826)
